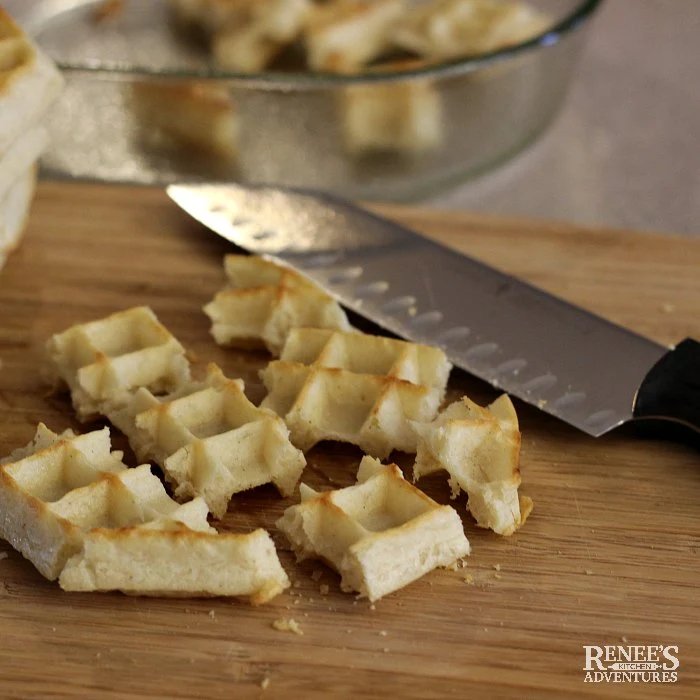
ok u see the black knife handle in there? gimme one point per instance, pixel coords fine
(671, 390)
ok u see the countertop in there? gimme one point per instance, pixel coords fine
(625, 149)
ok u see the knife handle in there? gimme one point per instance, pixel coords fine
(671, 390)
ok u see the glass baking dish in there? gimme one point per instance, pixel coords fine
(288, 128)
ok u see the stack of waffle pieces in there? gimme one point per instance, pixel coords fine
(29, 83)
(74, 509)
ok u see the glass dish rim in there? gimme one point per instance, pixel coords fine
(268, 79)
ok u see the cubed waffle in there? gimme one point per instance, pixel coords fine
(405, 116)
(479, 448)
(253, 44)
(444, 29)
(344, 36)
(29, 82)
(245, 34)
(211, 441)
(264, 301)
(355, 388)
(72, 508)
(195, 116)
(379, 535)
(104, 361)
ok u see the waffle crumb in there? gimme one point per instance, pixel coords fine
(386, 650)
(288, 625)
(316, 575)
(589, 572)
(498, 576)
(212, 614)
(324, 589)
(469, 579)
(3, 555)
(497, 567)
(624, 639)
(264, 684)
(668, 308)
(383, 633)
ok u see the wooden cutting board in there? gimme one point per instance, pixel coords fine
(609, 556)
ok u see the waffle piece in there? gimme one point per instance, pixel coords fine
(211, 441)
(404, 116)
(14, 210)
(379, 535)
(252, 45)
(264, 301)
(443, 29)
(479, 448)
(72, 508)
(59, 486)
(245, 34)
(102, 362)
(197, 116)
(29, 82)
(355, 388)
(345, 35)
(177, 562)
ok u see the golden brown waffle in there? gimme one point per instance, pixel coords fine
(443, 29)
(344, 36)
(264, 302)
(29, 82)
(104, 361)
(72, 508)
(379, 535)
(211, 441)
(356, 388)
(479, 448)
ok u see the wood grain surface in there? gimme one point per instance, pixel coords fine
(609, 556)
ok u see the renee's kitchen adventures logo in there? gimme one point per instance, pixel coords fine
(631, 664)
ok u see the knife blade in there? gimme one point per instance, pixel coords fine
(564, 360)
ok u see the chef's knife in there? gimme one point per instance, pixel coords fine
(568, 362)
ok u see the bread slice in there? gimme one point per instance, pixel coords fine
(379, 535)
(104, 361)
(211, 441)
(355, 388)
(71, 507)
(29, 82)
(264, 301)
(444, 29)
(479, 448)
